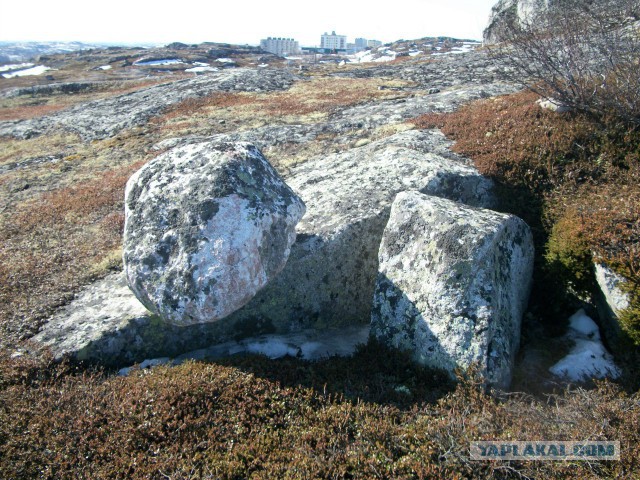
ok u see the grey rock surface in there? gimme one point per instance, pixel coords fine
(610, 301)
(330, 275)
(105, 118)
(453, 283)
(101, 315)
(609, 282)
(365, 118)
(206, 227)
(506, 13)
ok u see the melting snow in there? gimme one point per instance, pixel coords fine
(202, 68)
(105, 67)
(308, 345)
(164, 61)
(39, 70)
(588, 358)
(225, 60)
(15, 66)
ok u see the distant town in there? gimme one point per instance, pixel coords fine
(329, 43)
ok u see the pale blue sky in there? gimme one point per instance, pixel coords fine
(239, 21)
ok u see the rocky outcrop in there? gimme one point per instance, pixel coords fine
(207, 226)
(329, 278)
(330, 275)
(510, 13)
(105, 118)
(453, 283)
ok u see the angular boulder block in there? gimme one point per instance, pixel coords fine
(453, 284)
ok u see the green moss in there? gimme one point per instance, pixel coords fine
(630, 322)
(568, 258)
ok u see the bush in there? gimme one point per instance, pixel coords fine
(579, 53)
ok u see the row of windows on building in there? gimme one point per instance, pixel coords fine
(328, 42)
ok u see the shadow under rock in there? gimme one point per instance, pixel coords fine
(386, 370)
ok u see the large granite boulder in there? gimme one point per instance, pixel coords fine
(453, 284)
(206, 226)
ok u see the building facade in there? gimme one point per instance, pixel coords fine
(333, 41)
(373, 43)
(361, 44)
(280, 46)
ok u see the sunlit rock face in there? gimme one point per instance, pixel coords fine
(507, 13)
(453, 284)
(206, 227)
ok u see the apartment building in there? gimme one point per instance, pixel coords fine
(280, 46)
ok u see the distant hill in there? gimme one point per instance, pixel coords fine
(23, 51)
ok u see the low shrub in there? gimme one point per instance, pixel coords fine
(207, 420)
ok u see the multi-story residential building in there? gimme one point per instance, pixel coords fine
(361, 44)
(333, 41)
(280, 46)
(373, 43)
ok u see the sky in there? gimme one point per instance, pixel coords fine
(238, 21)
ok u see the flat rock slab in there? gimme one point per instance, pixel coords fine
(105, 118)
(453, 284)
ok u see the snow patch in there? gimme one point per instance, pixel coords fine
(105, 67)
(307, 345)
(588, 358)
(583, 324)
(15, 66)
(200, 69)
(164, 61)
(39, 70)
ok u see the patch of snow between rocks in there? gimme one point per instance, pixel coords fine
(15, 66)
(165, 61)
(588, 358)
(307, 345)
(39, 70)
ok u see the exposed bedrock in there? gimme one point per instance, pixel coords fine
(329, 278)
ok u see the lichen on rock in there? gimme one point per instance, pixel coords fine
(207, 226)
(453, 284)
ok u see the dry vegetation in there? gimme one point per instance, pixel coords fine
(306, 101)
(253, 418)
